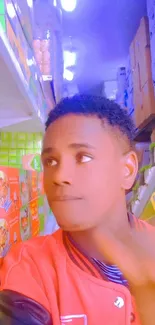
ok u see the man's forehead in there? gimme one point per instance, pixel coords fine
(84, 129)
(78, 128)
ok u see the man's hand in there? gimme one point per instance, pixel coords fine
(134, 255)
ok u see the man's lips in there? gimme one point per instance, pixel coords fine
(65, 198)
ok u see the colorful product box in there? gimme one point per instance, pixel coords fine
(5, 144)
(37, 136)
(28, 186)
(14, 227)
(21, 144)
(37, 144)
(4, 157)
(4, 161)
(12, 152)
(21, 136)
(5, 136)
(29, 144)
(25, 223)
(40, 185)
(34, 217)
(29, 152)
(41, 212)
(32, 182)
(23, 206)
(4, 238)
(9, 191)
(24, 187)
(30, 137)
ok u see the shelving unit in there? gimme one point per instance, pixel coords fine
(25, 94)
(17, 102)
(139, 208)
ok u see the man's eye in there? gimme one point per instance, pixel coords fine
(51, 162)
(84, 159)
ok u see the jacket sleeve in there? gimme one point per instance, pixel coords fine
(17, 309)
(22, 292)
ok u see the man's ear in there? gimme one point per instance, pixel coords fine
(129, 170)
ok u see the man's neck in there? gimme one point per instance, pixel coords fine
(120, 226)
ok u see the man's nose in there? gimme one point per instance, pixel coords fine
(63, 174)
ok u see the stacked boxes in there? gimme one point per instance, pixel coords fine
(151, 17)
(140, 56)
(42, 55)
(121, 87)
(22, 206)
(129, 86)
(13, 146)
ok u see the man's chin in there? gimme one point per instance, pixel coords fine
(73, 227)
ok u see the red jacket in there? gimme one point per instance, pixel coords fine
(51, 272)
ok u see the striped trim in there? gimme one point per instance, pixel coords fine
(70, 254)
(81, 259)
(93, 266)
(112, 273)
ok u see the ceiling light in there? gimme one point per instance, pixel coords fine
(69, 59)
(68, 75)
(30, 3)
(68, 5)
(10, 10)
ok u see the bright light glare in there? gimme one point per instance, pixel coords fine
(30, 62)
(69, 59)
(68, 5)
(30, 3)
(68, 75)
(55, 3)
(11, 10)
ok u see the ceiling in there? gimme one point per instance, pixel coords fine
(101, 31)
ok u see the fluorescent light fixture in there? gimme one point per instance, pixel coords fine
(30, 3)
(69, 59)
(30, 62)
(10, 10)
(68, 75)
(68, 5)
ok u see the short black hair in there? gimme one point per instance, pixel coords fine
(101, 107)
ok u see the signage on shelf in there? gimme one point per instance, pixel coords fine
(32, 162)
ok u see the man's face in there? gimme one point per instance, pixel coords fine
(82, 163)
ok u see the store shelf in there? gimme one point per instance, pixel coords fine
(146, 196)
(48, 22)
(17, 103)
(143, 134)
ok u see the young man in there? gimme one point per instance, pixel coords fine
(100, 267)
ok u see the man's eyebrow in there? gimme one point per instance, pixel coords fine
(47, 150)
(81, 145)
(75, 145)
